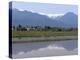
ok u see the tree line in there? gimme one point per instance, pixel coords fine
(40, 28)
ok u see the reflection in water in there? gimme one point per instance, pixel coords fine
(22, 50)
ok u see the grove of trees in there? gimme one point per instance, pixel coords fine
(39, 28)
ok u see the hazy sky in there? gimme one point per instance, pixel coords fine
(45, 7)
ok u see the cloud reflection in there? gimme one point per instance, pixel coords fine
(50, 50)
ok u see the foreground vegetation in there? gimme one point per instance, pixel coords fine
(49, 40)
(43, 33)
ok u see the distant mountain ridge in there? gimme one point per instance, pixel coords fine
(34, 19)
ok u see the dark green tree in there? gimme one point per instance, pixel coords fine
(14, 28)
(19, 27)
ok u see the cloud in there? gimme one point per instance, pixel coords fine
(21, 9)
(41, 13)
(50, 15)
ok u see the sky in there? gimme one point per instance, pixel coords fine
(45, 8)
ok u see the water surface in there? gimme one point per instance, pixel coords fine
(42, 49)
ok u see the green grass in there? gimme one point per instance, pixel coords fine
(32, 41)
(42, 33)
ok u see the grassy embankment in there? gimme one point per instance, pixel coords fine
(49, 40)
(42, 33)
(17, 34)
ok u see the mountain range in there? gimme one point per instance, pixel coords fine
(35, 19)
